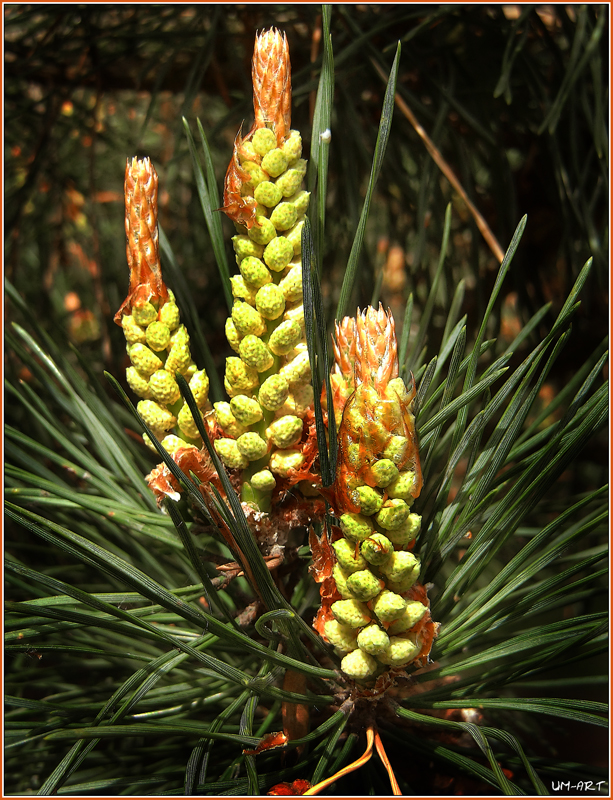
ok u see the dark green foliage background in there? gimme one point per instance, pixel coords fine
(515, 98)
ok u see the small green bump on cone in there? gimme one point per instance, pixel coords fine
(400, 565)
(284, 338)
(263, 141)
(263, 231)
(384, 472)
(359, 665)
(406, 532)
(341, 636)
(164, 388)
(413, 613)
(399, 652)
(254, 353)
(389, 606)
(132, 331)
(228, 451)
(252, 446)
(278, 253)
(274, 162)
(369, 500)
(245, 247)
(263, 481)
(144, 313)
(145, 361)
(245, 409)
(268, 194)
(284, 216)
(393, 514)
(346, 555)
(240, 377)
(340, 579)
(373, 639)
(138, 382)
(352, 613)
(270, 301)
(364, 585)
(255, 272)
(402, 487)
(285, 431)
(199, 386)
(273, 392)
(247, 320)
(283, 462)
(377, 549)
(170, 316)
(356, 527)
(291, 284)
(155, 415)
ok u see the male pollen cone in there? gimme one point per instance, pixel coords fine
(142, 248)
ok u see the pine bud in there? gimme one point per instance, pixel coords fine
(244, 247)
(268, 194)
(274, 162)
(340, 579)
(284, 338)
(369, 500)
(199, 385)
(284, 216)
(263, 481)
(264, 140)
(169, 315)
(406, 532)
(247, 320)
(132, 331)
(156, 416)
(263, 231)
(144, 313)
(186, 423)
(158, 335)
(400, 565)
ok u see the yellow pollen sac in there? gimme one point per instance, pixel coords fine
(158, 335)
(145, 361)
(359, 665)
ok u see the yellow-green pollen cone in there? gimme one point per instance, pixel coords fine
(377, 482)
(268, 380)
